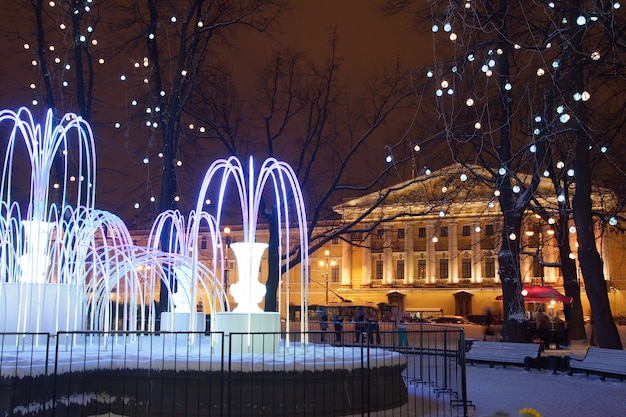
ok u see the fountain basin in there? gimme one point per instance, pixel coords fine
(151, 378)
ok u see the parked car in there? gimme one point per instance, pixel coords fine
(453, 320)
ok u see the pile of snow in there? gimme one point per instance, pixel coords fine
(173, 352)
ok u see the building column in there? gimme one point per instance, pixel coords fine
(431, 266)
(346, 263)
(453, 245)
(366, 267)
(387, 258)
(409, 261)
(476, 253)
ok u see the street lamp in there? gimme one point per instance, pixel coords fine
(328, 263)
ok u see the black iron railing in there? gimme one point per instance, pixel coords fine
(198, 374)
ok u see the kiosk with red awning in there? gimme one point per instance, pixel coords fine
(541, 293)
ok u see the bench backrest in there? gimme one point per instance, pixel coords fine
(504, 349)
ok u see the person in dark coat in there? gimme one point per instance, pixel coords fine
(338, 322)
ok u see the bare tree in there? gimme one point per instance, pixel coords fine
(521, 67)
(301, 114)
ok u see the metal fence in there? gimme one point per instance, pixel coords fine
(187, 374)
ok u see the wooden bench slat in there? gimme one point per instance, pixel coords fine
(601, 361)
(502, 352)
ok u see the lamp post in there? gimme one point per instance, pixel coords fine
(328, 263)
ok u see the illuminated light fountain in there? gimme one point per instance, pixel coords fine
(278, 180)
(36, 293)
(71, 268)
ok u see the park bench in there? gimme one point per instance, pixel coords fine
(504, 353)
(600, 361)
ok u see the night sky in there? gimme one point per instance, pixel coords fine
(367, 41)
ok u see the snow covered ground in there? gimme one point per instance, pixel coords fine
(508, 390)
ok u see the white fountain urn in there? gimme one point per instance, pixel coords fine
(248, 292)
(248, 329)
(35, 261)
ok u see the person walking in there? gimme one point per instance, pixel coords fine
(323, 324)
(403, 340)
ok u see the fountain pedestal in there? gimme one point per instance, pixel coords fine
(247, 318)
(179, 322)
(248, 332)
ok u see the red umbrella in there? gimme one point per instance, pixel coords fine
(541, 293)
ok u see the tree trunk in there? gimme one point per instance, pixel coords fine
(575, 322)
(514, 327)
(273, 263)
(588, 256)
